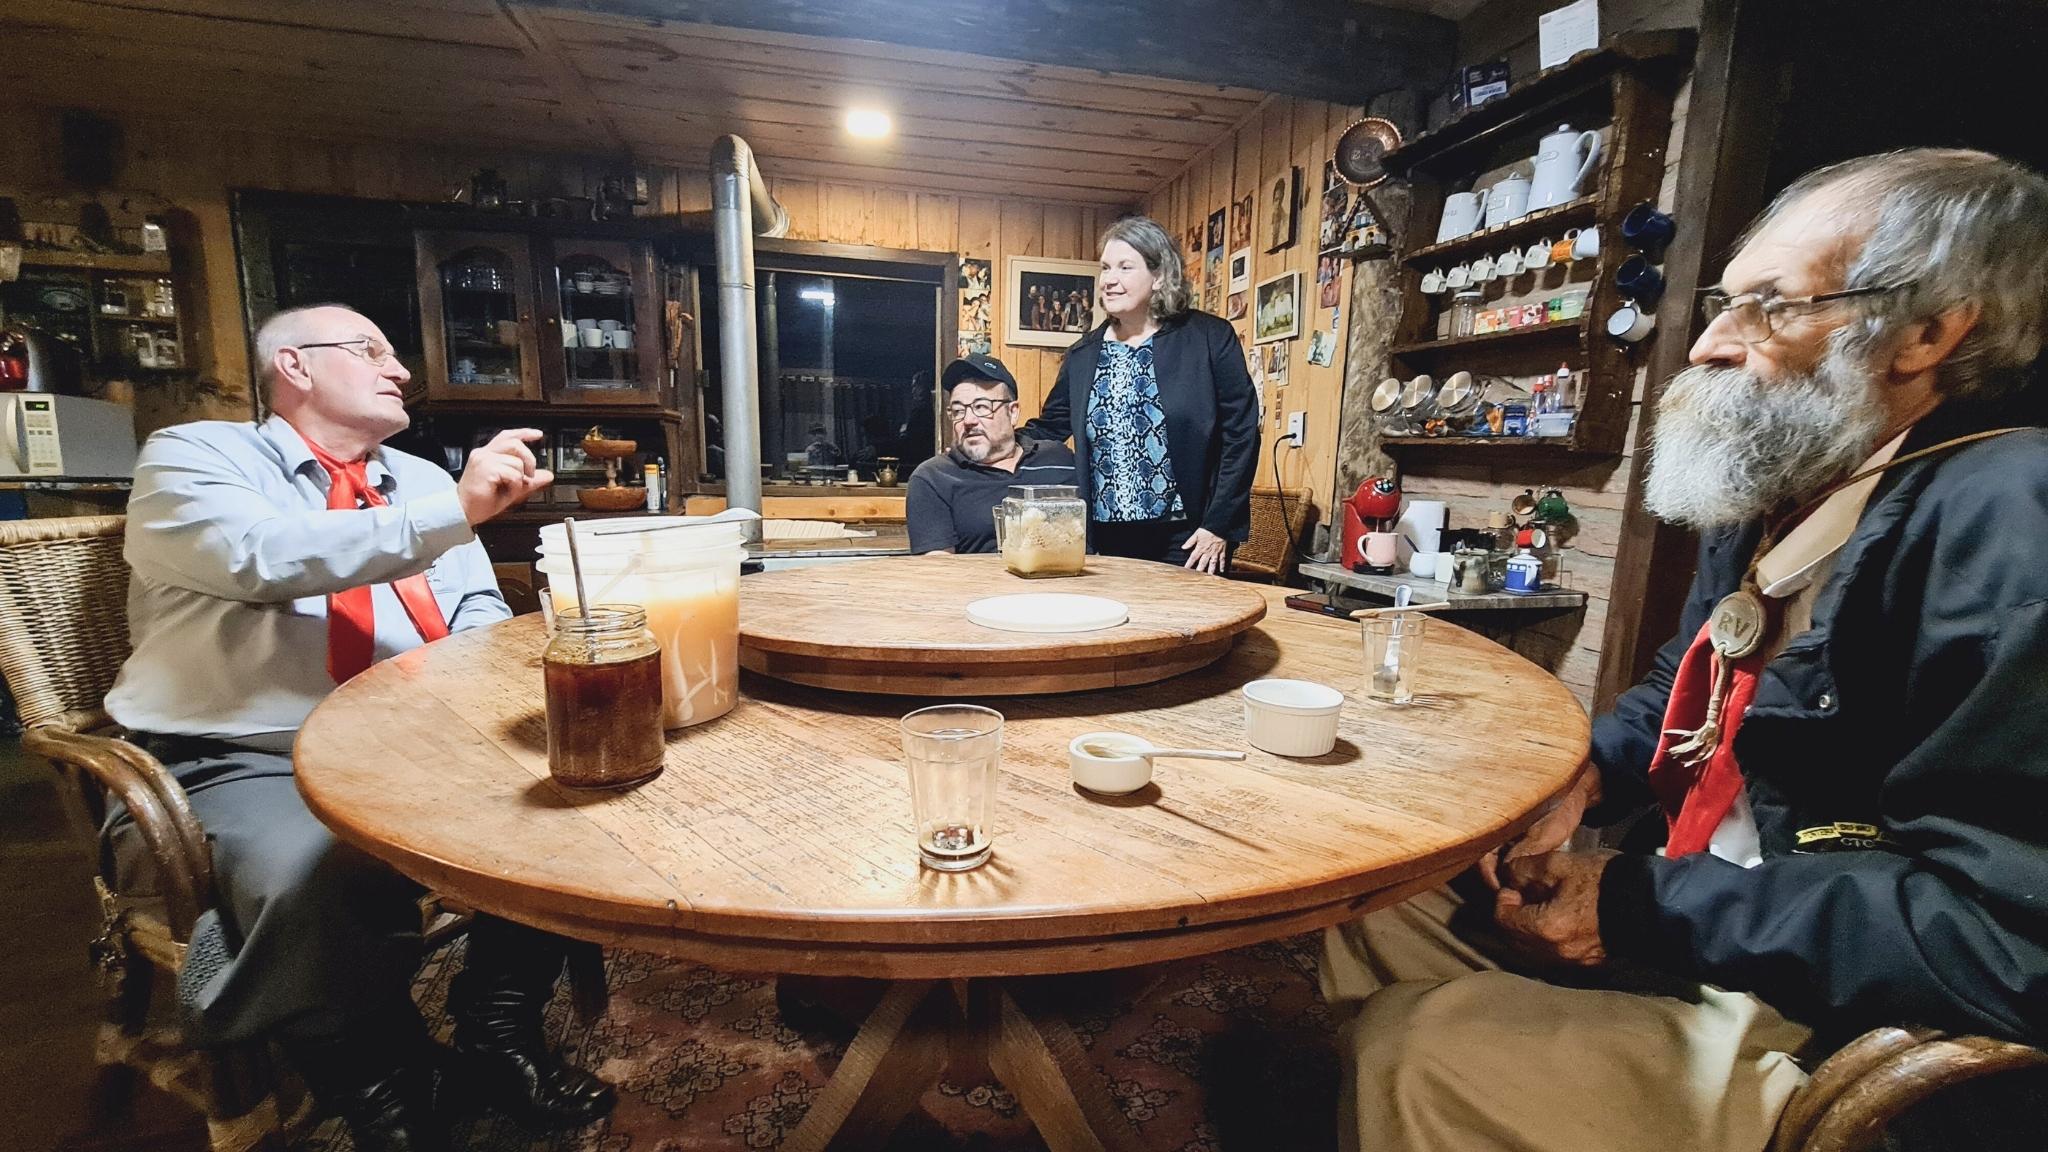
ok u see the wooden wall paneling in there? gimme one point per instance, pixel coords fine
(895, 218)
(802, 199)
(938, 223)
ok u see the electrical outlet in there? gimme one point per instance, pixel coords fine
(1297, 428)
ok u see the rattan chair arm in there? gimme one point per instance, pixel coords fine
(184, 898)
(1857, 1119)
(1836, 1075)
(177, 807)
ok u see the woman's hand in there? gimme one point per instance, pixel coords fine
(1205, 551)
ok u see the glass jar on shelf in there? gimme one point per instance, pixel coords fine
(1464, 311)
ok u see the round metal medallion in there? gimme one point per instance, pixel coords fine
(1738, 624)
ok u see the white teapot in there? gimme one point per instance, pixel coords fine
(1559, 169)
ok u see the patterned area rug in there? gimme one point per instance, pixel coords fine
(1232, 1051)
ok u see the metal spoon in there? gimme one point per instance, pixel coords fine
(1387, 677)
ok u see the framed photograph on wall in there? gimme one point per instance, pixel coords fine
(1276, 308)
(1281, 193)
(1049, 303)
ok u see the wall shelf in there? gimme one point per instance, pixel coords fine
(1548, 222)
(1626, 89)
(1573, 329)
(130, 263)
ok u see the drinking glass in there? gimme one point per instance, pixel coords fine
(952, 751)
(1392, 643)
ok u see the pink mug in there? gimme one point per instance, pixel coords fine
(1379, 549)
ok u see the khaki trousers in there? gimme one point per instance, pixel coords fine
(1445, 1050)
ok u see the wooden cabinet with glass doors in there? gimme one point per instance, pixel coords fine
(601, 303)
(477, 315)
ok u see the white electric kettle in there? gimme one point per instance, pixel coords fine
(1560, 170)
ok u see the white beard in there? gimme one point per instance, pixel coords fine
(1730, 446)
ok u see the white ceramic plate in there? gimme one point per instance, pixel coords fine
(1048, 612)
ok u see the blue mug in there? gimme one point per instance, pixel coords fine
(1647, 230)
(1639, 280)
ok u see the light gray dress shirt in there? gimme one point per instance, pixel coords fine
(234, 552)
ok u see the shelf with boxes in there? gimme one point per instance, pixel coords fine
(1523, 199)
(118, 311)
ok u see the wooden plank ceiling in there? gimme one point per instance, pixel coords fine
(487, 73)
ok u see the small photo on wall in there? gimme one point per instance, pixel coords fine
(1280, 209)
(1329, 280)
(1241, 214)
(1276, 307)
(1336, 209)
(1240, 269)
(1048, 303)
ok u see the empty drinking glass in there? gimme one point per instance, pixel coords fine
(952, 751)
(1392, 642)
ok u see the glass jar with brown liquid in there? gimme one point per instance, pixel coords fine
(603, 672)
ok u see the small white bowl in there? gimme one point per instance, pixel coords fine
(1292, 717)
(1108, 775)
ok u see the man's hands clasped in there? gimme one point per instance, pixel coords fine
(1548, 901)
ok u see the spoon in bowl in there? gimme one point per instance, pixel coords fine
(1132, 746)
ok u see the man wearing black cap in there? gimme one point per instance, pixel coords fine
(953, 496)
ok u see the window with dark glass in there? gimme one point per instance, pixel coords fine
(848, 363)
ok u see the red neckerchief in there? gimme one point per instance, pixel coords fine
(1697, 797)
(352, 613)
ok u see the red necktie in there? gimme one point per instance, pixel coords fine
(352, 613)
(1697, 797)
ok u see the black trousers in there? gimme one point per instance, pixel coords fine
(324, 938)
(1158, 540)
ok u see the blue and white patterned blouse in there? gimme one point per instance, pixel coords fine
(1127, 457)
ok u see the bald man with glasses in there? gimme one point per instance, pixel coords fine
(271, 562)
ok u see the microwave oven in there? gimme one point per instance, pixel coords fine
(48, 436)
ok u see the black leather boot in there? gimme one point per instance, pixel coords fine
(501, 1055)
(383, 1090)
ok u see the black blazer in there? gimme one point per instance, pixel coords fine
(1212, 417)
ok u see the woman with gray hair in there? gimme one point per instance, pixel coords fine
(1161, 410)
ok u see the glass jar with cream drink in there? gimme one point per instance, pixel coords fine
(1042, 530)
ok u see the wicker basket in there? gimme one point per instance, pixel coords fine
(612, 499)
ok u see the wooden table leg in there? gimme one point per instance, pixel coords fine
(908, 1040)
(1038, 1057)
(895, 1057)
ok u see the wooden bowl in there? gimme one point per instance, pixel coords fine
(599, 448)
(612, 499)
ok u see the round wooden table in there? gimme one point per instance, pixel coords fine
(779, 838)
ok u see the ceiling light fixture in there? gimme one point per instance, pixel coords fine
(868, 123)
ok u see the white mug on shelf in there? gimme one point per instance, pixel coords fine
(1587, 246)
(1507, 201)
(620, 338)
(593, 336)
(609, 325)
(1508, 263)
(1458, 277)
(1631, 322)
(1482, 270)
(1433, 281)
(1537, 255)
(1461, 215)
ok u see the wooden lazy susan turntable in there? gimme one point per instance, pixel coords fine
(902, 626)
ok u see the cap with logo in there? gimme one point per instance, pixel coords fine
(976, 364)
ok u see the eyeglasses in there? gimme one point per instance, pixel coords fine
(1755, 315)
(981, 408)
(375, 351)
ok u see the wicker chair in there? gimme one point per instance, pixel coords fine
(63, 636)
(1277, 527)
(1876, 1077)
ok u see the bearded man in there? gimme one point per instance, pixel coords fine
(953, 496)
(1848, 737)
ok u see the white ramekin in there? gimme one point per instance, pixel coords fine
(1292, 717)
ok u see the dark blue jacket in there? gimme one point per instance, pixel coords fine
(1212, 417)
(1917, 703)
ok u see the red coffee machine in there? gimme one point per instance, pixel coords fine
(1369, 518)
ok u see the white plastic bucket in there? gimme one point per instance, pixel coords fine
(687, 577)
